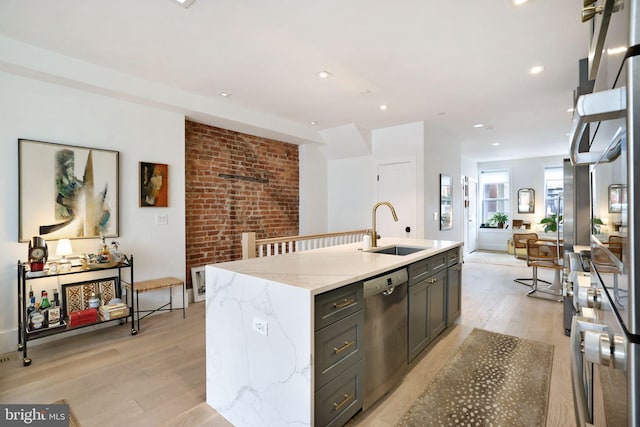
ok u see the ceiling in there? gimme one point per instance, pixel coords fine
(451, 64)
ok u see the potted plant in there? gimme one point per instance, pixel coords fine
(597, 222)
(551, 223)
(499, 218)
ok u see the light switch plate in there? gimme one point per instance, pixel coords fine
(162, 219)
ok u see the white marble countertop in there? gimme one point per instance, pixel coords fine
(321, 270)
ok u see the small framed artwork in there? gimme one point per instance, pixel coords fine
(198, 282)
(154, 184)
(66, 191)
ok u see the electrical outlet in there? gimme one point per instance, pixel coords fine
(260, 326)
(435, 216)
(162, 219)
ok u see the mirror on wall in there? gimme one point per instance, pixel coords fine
(526, 200)
(617, 198)
(446, 218)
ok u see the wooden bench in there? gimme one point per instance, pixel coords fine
(152, 285)
(252, 247)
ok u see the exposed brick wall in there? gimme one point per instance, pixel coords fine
(219, 209)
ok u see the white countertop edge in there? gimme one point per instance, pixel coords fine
(324, 269)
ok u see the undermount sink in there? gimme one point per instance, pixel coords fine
(398, 250)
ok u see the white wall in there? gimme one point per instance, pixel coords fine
(47, 112)
(401, 143)
(352, 185)
(351, 191)
(313, 190)
(441, 156)
(523, 173)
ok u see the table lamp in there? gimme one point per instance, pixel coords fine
(63, 249)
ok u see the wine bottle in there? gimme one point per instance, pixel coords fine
(30, 292)
(44, 309)
(56, 301)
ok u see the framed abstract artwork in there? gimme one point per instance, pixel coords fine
(66, 191)
(154, 184)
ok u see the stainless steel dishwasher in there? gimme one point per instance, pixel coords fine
(385, 334)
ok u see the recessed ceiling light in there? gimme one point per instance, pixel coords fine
(312, 123)
(495, 144)
(570, 110)
(224, 94)
(519, 2)
(616, 50)
(478, 125)
(185, 3)
(536, 70)
(383, 107)
(323, 74)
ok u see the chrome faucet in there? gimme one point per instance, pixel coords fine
(374, 233)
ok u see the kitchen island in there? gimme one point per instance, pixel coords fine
(260, 326)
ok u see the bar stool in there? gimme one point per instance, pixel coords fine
(545, 254)
(520, 242)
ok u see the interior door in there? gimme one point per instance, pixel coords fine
(471, 215)
(397, 185)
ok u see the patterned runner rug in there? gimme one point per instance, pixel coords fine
(73, 422)
(492, 380)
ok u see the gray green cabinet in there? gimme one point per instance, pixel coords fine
(338, 340)
(454, 289)
(427, 302)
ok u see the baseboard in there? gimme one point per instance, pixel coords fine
(8, 341)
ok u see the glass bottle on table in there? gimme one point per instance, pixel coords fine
(103, 254)
(56, 301)
(45, 304)
(32, 306)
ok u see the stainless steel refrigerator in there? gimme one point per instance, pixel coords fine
(605, 335)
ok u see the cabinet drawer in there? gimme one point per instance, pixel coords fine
(338, 346)
(337, 304)
(438, 262)
(424, 268)
(418, 271)
(453, 256)
(339, 400)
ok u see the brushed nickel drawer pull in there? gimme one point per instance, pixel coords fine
(344, 303)
(347, 398)
(346, 345)
(432, 280)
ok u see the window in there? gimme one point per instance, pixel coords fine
(553, 184)
(494, 185)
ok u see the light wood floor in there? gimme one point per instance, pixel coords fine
(158, 377)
